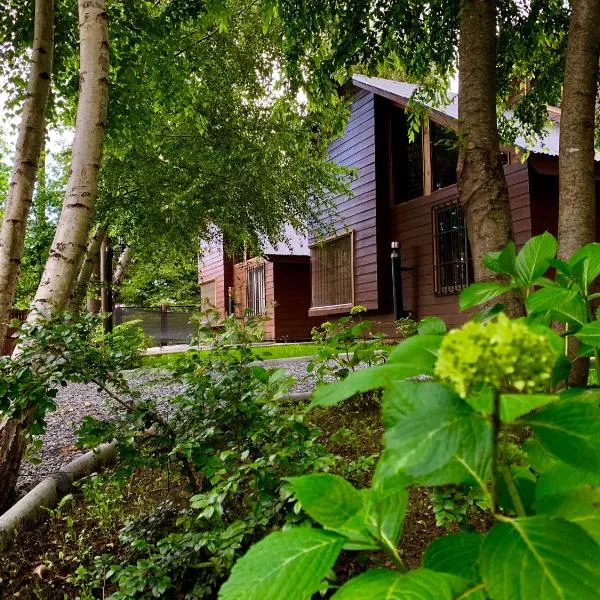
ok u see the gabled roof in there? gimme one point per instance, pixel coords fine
(292, 243)
(401, 92)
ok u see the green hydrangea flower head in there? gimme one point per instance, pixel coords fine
(504, 354)
(356, 310)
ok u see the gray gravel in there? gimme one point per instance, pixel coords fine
(75, 401)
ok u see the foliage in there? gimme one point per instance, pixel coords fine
(461, 434)
(53, 351)
(233, 440)
(345, 346)
(406, 327)
(126, 342)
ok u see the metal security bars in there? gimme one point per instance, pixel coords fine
(255, 290)
(452, 265)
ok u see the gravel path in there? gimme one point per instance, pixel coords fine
(76, 401)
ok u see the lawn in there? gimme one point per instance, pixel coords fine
(275, 351)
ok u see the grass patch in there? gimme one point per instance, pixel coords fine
(276, 351)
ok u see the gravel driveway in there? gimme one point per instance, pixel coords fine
(76, 401)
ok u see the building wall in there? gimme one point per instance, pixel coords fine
(240, 293)
(214, 266)
(356, 149)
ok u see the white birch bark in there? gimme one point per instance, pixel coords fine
(122, 264)
(29, 144)
(72, 231)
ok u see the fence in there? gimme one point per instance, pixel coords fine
(165, 324)
(9, 342)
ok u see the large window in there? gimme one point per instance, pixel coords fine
(207, 293)
(444, 156)
(331, 272)
(255, 289)
(452, 265)
(406, 160)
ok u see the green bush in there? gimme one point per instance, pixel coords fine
(490, 383)
(126, 342)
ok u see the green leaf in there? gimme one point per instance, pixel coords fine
(364, 380)
(540, 460)
(387, 504)
(456, 554)
(588, 259)
(286, 564)
(502, 261)
(539, 557)
(580, 506)
(525, 482)
(419, 349)
(414, 585)
(570, 431)
(590, 333)
(534, 258)
(562, 479)
(429, 436)
(512, 406)
(479, 293)
(431, 326)
(334, 503)
(563, 305)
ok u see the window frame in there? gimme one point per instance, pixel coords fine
(213, 304)
(250, 303)
(333, 308)
(467, 278)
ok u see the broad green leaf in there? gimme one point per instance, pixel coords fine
(591, 395)
(502, 261)
(334, 503)
(562, 304)
(479, 293)
(456, 554)
(590, 333)
(540, 460)
(588, 259)
(432, 326)
(525, 483)
(286, 564)
(363, 380)
(402, 397)
(414, 585)
(512, 406)
(580, 506)
(534, 258)
(562, 479)
(428, 437)
(539, 557)
(570, 431)
(420, 350)
(387, 504)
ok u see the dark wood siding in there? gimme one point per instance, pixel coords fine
(214, 266)
(356, 148)
(412, 227)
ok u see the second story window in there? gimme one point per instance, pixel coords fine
(452, 265)
(444, 156)
(256, 290)
(406, 160)
(331, 272)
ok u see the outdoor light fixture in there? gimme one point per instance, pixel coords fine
(397, 270)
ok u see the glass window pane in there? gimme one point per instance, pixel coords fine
(331, 272)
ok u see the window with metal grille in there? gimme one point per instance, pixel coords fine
(331, 272)
(255, 290)
(452, 264)
(208, 293)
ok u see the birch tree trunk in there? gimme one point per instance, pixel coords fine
(27, 156)
(577, 186)
(72, 231)
(482, 188)
(122, 264)
(87, 269)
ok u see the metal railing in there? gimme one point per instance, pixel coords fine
(165, 324)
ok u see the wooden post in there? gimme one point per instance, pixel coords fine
(106, 279)
(164, 331)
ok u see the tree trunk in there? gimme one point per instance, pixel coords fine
(87, 269)
(106, 271)
(27, 156)
(124, 260)
(482, 188)
(72, 231)
(93, 302)
(577, 186)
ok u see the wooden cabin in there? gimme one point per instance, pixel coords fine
(406, 192)
(275, 284)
